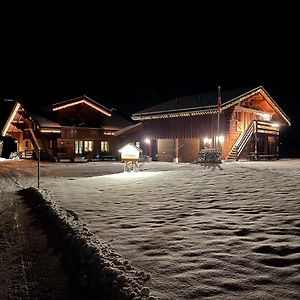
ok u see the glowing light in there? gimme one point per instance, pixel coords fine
(128, 175)
(220, 139)
(207, 141)
(85, 102)
(147, 140)
(4, 131)
(109, 133)
(50, 130)
(130, 152)
(276, 125)
(266, 117)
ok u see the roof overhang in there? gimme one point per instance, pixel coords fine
(10, 118)
(50, 130)
(211, 110)
(86, 101)
(12, 121)
(128, 129)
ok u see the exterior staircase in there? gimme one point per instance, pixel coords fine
(39, 146)
(241, 142)
(232, 154)
(255, 127)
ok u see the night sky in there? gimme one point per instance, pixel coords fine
(130, 58)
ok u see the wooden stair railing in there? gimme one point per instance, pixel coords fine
(242, 141)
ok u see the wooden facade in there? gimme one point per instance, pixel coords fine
(78, 128)
(249, 122)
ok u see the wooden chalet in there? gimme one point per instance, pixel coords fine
(249, 125)
(74, 129)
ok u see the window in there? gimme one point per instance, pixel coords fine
(104, 147)
(138, 144)
(88, 146)
(78, 147)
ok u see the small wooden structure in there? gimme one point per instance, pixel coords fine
(130, 155)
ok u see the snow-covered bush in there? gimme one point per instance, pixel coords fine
(15, 155)
(209, 155)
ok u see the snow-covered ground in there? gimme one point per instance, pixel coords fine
(200, 233)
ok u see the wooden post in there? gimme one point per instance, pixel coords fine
(255, 138)
(212, 130)
(39, 158)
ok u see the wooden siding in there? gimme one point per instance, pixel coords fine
(81, 133)
(188, 149)
(165, 149)
(185, 127)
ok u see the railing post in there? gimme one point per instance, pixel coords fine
(39, 158)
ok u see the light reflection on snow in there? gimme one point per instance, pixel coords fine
(125, 175)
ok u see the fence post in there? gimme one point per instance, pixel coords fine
(39, 158)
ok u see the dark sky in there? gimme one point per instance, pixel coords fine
(132, 57)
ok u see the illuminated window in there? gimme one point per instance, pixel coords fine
(78, 147)
(88, 146)
(138, 144)
(104, 147)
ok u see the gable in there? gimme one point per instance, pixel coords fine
(80, 112)
(203, 105)
(84, 100)
(20, 118)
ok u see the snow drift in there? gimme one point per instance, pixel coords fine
(101, 271)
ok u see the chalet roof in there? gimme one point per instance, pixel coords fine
(114, 122)
(109, 120)
(205, 103)
(83, 98)
(43, 122)
(5, 111)
(199, 101)
(128, 128)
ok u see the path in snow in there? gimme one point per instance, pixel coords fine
(28, 267)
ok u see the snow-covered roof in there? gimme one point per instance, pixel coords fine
(43, 122)
(205, 103)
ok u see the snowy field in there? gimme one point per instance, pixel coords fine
(199, 233)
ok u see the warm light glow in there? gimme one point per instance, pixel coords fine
(147, 141)
(85, 102)
(10, 119)
(50, 130)
(220, 139)
(207, 141)
(276, 125)
(266, 117)
(128, 175)
(109, 133)
(130, 152)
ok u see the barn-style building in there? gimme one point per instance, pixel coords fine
(246, 125)
(76, 129)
